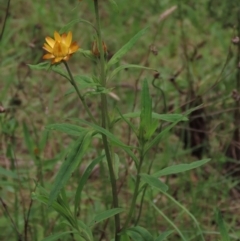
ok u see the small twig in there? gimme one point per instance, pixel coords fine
(5, 20)
(4, 205)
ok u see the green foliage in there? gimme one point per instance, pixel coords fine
(147, 124)
(154, 182)
(67, 128)
(139, 233)
(122, 51)
(112, 165)
(222, 227)
(57, 236)
(105, 215)
(180, 168)
(83, 180)
(72, 161)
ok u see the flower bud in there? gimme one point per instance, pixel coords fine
(95, 50)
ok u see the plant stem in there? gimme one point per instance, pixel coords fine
(105, 122)
(73, 83)
(135, 194)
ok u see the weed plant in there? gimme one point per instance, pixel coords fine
(107, 132)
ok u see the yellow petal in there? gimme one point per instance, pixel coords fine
(47, 48)
(50, 41)
(48, 56)
(73, 48)
(66, 58)
(58, 59)
(69, 39)
(57, 36)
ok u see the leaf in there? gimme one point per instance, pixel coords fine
(154, 182)
(59, 208)
(164, 117)
(141, 232)
(160, 136)
(169, 117)
(127, 121)
(180, 168)
(83, 181)
(66, 128)
(40, 66)
(57, 69)
(135, 236)
(105, 215)
(113, 138)
(170, 222)
(28, 140)
(86, 231)
(163, 235)
(85, 80)
(147, 125)
(127, 66)
(121, 52)
(57, 236)
(222, 227)
(146, 107)
(124, 237)
(70, 164)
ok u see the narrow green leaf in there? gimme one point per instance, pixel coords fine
(180, 168)
(124, 237)
(70, 164)
(146, 107)
(121, 52)
(113, 138)
(105, 215)
(139, 233)
(147, 124)
(163, 235)
(57, 236)
(28, 140)
(222, 227)
(160, 136)
(83, 181)
(57, 69)
(40, 66)
(127, 121)
(84, 79)
(170, 222)
(62, 210)
(135, 236)
(101, 130)
(66, 128)
(154, 182)
(127, 66)
(169, 117)
(86, 231)
(164, 117)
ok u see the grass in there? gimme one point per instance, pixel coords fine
(201, 30)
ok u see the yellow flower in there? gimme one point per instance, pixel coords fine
(60, 48)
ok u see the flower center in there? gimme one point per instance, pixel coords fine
(60, 49)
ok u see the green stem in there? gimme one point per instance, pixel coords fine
(135, 194)
(73, 83)
(105, 123)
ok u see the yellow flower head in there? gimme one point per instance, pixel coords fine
(60, 48)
